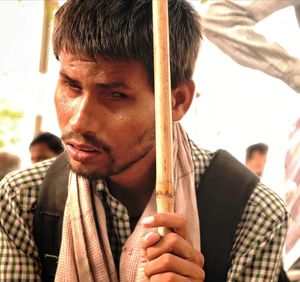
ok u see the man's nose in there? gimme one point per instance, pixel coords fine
(84, 116)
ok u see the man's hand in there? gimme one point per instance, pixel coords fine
(172, 257)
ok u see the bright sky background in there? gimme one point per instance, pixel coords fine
(238, 106)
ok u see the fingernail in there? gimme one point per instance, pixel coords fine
(148, 220)
(147, 236)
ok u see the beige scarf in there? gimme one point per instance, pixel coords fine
(83, 257)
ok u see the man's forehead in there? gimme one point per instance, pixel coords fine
(76, 60)
(259, 154)
(106, 73)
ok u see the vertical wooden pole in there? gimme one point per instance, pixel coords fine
(37, 125)
(163, 110)
(49, 8)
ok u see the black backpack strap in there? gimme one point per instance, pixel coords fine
(222, 195)
(48, 216)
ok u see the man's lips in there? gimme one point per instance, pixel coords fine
(82, 146)
(83, 153)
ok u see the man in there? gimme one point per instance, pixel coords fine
(105, 108)
(256, 157)
(8, 163)
(45, 146)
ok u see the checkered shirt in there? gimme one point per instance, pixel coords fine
(256, 254)
(118, 221)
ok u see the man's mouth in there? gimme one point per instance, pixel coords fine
(83, 153)
(83, 148)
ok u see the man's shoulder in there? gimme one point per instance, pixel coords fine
(260, 234)
(262, 200)
(201, 159)
(268, 204)
(23, 180)
(199, 152)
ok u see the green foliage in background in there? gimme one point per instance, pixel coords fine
(9, 119)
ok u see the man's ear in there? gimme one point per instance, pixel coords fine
(182, 97)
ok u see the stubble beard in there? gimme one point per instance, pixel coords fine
(112, 168)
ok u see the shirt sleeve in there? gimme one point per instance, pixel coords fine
(257, 251)
(230, 26)
(18, 256)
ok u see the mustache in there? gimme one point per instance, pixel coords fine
(86, 138)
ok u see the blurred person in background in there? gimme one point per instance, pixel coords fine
(292, 174)
(256, 157)
(8, 163)
(45, 146)
(230, 25)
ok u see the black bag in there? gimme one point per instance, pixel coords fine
(49, 214)
(228, 185)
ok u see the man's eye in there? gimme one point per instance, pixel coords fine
(119, 95)
(72, 86)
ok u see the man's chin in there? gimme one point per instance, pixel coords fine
(86, 172)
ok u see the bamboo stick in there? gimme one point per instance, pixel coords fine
(38, 125)
(163, 110)
(49, 7)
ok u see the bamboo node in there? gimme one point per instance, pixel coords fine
(164, 194)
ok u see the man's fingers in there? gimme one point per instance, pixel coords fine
(150, 239)
(174, 244)
(173, 221)
(168, 277)
(172, 257)
(171, 263)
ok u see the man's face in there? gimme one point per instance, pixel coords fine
(40, 152)
(105, 111)
(257, 163)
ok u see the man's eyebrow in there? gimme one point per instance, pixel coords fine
(112, 85)
(65, 76)
(99, 85)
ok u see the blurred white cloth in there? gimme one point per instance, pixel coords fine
(229, 25)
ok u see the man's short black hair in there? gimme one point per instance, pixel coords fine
(122, 30)
(259, 147)
(53, 142)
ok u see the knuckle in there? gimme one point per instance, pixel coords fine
(149, 253)
(172, 240)
(152, 253)
(166, 261)
(202, 276)
(147, 270)
(199, 274)
(200, 259)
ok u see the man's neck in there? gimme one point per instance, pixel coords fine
(134, 187)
